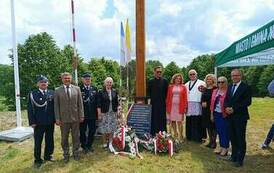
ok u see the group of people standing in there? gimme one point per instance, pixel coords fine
(212, 107)
(75, 109)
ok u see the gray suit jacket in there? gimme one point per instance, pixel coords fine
(66, 109)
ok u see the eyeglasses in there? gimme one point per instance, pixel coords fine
(221, 81)
(43, 82)
(159, 72)
(192, 74)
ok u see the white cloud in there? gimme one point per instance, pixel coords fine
(169, 49)
(175, 30)
(171, 8)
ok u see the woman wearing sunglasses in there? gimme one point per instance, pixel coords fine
(218, 115)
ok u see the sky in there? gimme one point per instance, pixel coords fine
(176, 30)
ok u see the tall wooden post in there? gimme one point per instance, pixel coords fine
(140, 50)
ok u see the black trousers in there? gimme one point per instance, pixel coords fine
(39, 132)
(87, 131)
(237, 131)
(270, 136)
(194, 130)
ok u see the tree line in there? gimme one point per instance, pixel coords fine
(39, 54)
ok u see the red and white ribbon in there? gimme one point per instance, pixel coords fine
(155, 146)
(123, 137)
(170, 148)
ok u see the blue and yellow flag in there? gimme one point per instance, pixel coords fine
(128, 43)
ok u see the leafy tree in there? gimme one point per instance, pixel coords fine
(150, 65)
(112, 70)
(184, 72)
(131, 67)
(252, 76)
(266, 77)
(7, 85)
(98, 72)
(6, 78)
(170, 70)
(102, 68)
(203, 64)
(38, 55)
(82, 67)
(225, 71)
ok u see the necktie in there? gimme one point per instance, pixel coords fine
(68, 91)
(233, 89)
(44, 92)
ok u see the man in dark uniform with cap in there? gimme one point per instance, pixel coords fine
(41, 118)
(89, 94)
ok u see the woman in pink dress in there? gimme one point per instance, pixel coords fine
(176, 103)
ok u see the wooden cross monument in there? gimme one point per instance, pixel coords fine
(140, 51)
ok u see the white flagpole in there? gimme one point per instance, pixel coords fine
(16, 70)
(120, 76)
(127, 79)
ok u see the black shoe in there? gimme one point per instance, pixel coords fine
(38, 163)
(213, 146)
(238, 164)
(49, 159)
(66, 159)
(85, 151)
(91, 149)
(264, 146)
(209, 145)
(230, 159)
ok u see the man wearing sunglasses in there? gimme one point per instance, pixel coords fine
(157, 91)
(194, 131)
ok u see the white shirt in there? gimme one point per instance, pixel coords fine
(42, 91)
(87, 87)
(194, 95)
(65, 87)
(236, 87)
(218, 105)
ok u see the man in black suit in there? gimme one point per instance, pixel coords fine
(89, 95)
(41, 118)
(236, 104)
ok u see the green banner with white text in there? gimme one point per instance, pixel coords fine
(260, 40)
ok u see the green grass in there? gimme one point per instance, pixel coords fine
(194, 158)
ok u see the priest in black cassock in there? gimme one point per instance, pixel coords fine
(157, 91)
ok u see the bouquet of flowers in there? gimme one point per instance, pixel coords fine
(125, 142)
(162, 143)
